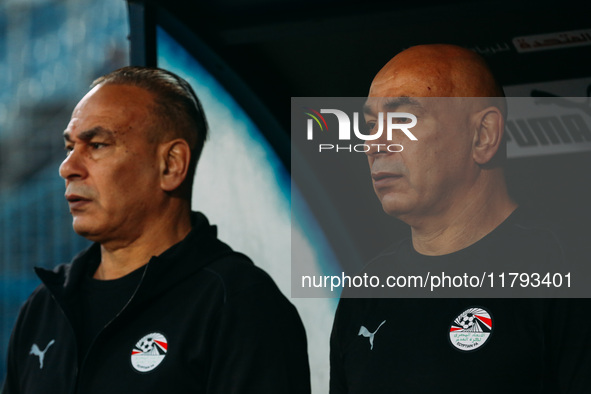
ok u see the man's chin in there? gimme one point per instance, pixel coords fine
(85, 229)
(396, 209)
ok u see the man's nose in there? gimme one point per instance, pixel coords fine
(381, 145)
(72, 166)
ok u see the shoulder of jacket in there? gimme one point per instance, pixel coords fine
(237, 273)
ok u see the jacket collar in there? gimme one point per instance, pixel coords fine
(199, 248)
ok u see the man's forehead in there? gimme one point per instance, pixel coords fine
(114, 97)
(114, 101)
(380, 104)
(119, 108)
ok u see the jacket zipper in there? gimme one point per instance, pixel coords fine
(79, 370)
(73, 385)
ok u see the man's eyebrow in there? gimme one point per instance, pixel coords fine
(392, 104)
(89, 134)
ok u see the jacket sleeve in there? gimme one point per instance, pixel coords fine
(569, 338)
(11, 385)
(260, 346)
(337, 374)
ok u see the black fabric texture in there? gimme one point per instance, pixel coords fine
(227, 328)
(99, 302)
(535, 345)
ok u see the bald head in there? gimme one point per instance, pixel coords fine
(452, 175)
(435, 71)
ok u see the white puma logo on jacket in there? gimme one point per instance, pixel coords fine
(365, 332)
(41, 354)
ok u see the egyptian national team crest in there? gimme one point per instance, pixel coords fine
(471, 329)
(149, 352)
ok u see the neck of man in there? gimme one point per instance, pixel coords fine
(121, 257)
(465, 220)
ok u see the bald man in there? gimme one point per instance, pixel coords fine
(449, 160)
(450, 189)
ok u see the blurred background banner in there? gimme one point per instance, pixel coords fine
(246, 59)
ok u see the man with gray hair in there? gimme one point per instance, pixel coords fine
(157, 303)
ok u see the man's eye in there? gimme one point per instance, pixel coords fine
(369, 126)
(97, 145)
(68, 150)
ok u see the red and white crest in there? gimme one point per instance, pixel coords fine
(471, 329)
(149, 352)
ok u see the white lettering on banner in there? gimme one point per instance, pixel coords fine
(344, 133)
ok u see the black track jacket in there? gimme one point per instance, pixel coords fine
(203, 319)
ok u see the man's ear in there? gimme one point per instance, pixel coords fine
(175, 158)
(488, 136)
